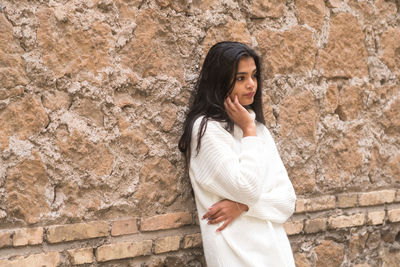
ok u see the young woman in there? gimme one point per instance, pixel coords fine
(242, 191)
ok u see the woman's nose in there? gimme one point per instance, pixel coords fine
(250, 83)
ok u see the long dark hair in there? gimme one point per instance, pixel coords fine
(215, 82)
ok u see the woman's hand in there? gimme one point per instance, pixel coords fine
(225, 210)
(240, 116)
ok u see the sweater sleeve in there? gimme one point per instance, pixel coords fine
(276, 202)
(221, 171)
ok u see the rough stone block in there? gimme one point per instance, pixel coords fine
(28, 236)
(5, 239)
(315, 225)
(376, 217)
(329, 253)
(293, 227)
(124, 227)
(50, 259)
(79, 231)
(165, 244)
(192, 241)
(123, 250)
(166, 221)
(347, 200)
(394, 215)
(397, 195)
(376, 197)
(346, 221)
(315, 204)
(81, 255)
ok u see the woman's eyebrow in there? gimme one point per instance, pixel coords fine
(255, 70)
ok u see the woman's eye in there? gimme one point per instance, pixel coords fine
(240, 78)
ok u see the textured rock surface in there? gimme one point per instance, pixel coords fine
(93, 95)
(345, 54)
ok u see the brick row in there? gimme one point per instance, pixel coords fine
(310, 226)
(347, 200)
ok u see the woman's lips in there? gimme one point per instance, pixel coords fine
(250, 94)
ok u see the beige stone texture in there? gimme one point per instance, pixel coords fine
(49, 259)
(311, 13)
(391, 119)
(6, 93)
(123, 250)
(390, 257)
(347, 200)
(315, 225)
(333, 3)
(345, 221)
(158, 182)
(166, 244)
(345, 54)
(390, 42)
(56, 100)
(267, 8)
(26, 188)
(363, 7)
(91, 110)
(23, 118)
(81, 255)
(376, 217)
(298, 119)
(362, 265)
(5, 239)
(132, 139)
(397, 199)
(12, 67)
(192, 241)
(151, 31)
(315, 204)
(343, 160)
(301, 260)
(68, 49)
(168, 116)
(79, 231)
(288, 52)
(350, 102)
(166, 221)
(124, 227)
(293, 227)
(376, 197)
(331, 98)
(394, 167)
(84, 154)
(357, 244)
(329, 251)
(28, 236)
(394, 215)
(232, 30)
(269, 117)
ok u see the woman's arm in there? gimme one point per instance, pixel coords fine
(224, 172)
(224, 211)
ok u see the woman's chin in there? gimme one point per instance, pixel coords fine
(246, 102)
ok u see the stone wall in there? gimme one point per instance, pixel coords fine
(92, 99)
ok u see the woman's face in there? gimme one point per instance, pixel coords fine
(246, 81)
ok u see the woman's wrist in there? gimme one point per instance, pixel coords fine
(250, 132)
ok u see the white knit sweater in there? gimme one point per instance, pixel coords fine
(248, 170)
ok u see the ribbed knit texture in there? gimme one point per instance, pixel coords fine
(248, 170)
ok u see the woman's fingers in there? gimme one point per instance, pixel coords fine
(222, 227)
(217, 220)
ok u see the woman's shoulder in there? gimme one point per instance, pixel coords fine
(211, 126)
